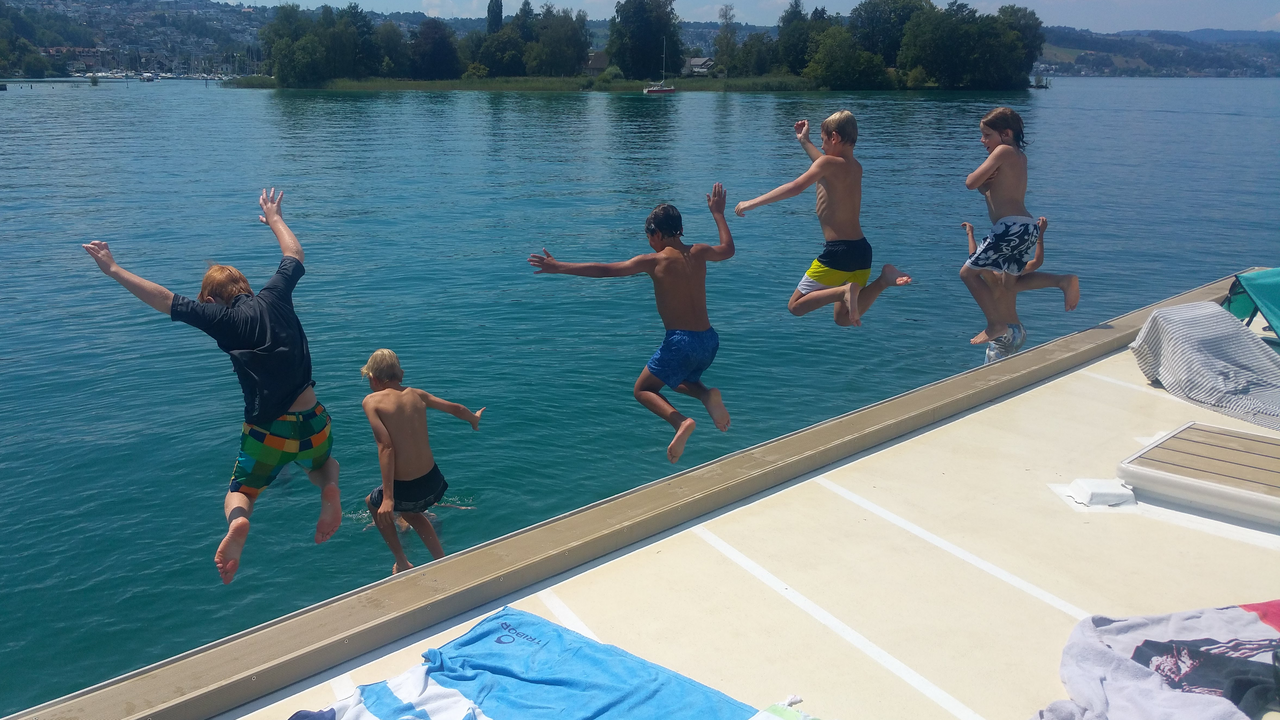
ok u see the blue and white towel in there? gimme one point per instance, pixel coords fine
(517, 666)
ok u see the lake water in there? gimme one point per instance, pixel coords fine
(417, 211)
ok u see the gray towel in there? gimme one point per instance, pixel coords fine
(1202, 354)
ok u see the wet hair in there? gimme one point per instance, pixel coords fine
(1003, 118)
(223, 282)
(843, 123)
(383, 365)
(665, 221)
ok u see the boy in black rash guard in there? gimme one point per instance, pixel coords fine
(283, 422)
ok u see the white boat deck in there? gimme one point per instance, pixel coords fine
(934, 576)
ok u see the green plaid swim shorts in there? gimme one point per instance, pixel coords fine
(302, 437)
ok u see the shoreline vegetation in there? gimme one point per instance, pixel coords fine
(951, 47)
(774, 83)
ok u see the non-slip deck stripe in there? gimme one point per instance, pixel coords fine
(564, 615)
(1131, 386)
(875, 652)
(974, 560)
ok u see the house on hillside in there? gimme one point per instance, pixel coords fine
(697, 66)
(597, 61)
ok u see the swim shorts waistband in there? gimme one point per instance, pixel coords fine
(304, 415)
(1015, 219)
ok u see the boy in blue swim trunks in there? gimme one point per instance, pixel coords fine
(1014, 236)
(841, 273)
(283, 422)
(679, 274)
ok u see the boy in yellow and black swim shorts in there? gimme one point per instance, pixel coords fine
(283, 421)
(841, 273)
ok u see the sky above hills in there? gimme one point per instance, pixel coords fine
(1097, 15)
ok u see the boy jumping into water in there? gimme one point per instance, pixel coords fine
(841, 272)
(411, 480)
(679, 274)
(283, 422)
(1030, 279)
(1006, 250)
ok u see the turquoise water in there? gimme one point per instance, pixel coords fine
(417, 211)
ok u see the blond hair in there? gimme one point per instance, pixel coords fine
(844, 124)
(223, 282)
(383, 365)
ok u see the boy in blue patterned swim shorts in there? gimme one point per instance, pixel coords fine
(679, 274)
(1006, 250)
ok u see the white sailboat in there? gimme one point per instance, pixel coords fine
(660, 88)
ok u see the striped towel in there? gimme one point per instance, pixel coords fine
(1202, 354)
(518, 666)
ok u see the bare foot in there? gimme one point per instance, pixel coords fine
(676, 448)
(893, 276)
(1070, 292)
(851, 304)
(715, 407)
(330, 513)
(992, 332)
(228, 556)
(397, 569)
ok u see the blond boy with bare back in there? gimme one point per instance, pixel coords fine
(411, 480)
(679, 274)
(840, 274)
(1014, 236)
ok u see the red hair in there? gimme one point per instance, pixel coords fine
(223, 282)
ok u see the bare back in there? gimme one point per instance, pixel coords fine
(680, 287)
(839, 205)
(1006, 190)
(404, 414)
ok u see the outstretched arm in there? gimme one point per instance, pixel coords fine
(725, 250)
(636, 265)
(791, 189)
(802, 134)
(148, 292)
(386, 460)
(454, 409)
(271, 217)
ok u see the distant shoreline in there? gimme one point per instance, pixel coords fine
(766, 83)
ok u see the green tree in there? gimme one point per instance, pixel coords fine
(395, 53)
(432, 52)
(469, 46)
(957, 47)
(523, 22)
(877, 24)
(637, 32)
(34, 65)
(367, 56)
(1026, 23)
(756, 55)
(300, 64)
(503, 52)
(726, 42)
(493, 20)
(562, 43)
(793, 38)
(839, 64)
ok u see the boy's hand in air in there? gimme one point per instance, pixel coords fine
(545, 263)
(715, 201)
(802, 130)
(270, 203)
(475, 419)
(101, 254)
(741, 208)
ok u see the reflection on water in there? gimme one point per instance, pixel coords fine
(417, 211)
